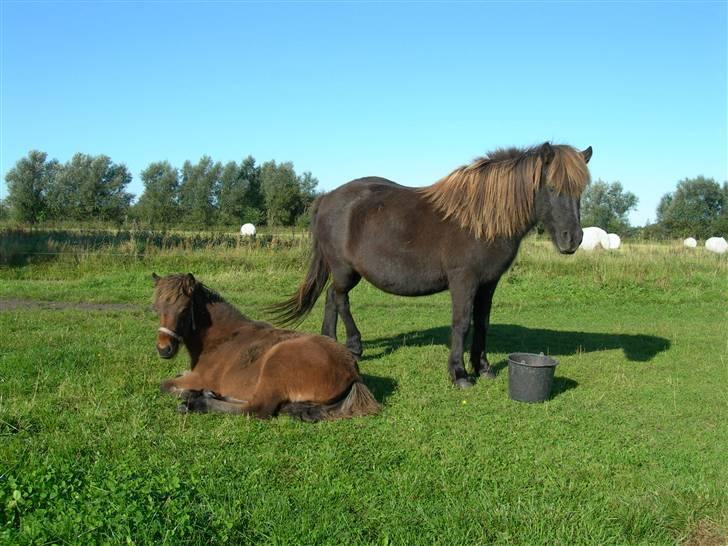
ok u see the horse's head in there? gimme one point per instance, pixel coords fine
(173, 297)
(559, 209)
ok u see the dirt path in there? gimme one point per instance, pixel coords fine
(11, 304)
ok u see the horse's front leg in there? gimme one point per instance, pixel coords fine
(186, 385)
(207, 402)
(462, 294)
(481, 321)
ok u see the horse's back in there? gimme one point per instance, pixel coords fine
(336, 210)
(386, 232)
(308, 367)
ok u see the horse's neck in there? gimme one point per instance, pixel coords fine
(224, 319)
(217, 323)
(529, 226)
(515, 241)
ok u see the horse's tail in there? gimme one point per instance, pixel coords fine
(358, 402)
(294, 309)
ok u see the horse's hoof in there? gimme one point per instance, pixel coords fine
(487, 374)
(463, 383)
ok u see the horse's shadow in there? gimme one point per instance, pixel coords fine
(381, 387)
(508, 338)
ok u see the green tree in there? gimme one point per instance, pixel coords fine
(281, 193)
(694, 209)
(91, 188)
(307, 190)
(287, 196)
(28, 184)
(254, 211)
(63, 197)
(230, 194)
(606, 206)
(4, 210)
(239, 197)
(719, 226)
(198, 191)
(158, 204)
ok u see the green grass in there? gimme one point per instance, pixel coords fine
(631, 449)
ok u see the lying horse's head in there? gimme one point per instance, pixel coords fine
(173, 296)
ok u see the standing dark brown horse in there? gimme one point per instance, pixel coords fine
(239, 365)
(461, 233)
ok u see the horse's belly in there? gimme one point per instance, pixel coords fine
(405, 279)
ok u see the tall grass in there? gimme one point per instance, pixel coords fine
(26, 246)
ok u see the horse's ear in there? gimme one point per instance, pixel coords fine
(189, 284)
(155, 278)
(547, 152)
(586, 154)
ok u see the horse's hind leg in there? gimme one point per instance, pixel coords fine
(481, 320)
(343, 282)
(328, 328)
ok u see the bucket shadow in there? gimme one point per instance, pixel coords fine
(509, 338)
(561, 385)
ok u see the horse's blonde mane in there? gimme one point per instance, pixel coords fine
(494, 195)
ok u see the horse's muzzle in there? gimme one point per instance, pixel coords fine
(568, 241)
(168, 351)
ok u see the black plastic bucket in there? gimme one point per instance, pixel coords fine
(530, 376)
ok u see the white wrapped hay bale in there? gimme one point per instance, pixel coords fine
(247, 230)
(614, 241)
(690, 242)
(717, 245)
(594, 237)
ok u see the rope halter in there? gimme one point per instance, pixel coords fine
(169, 332)
(174, 334)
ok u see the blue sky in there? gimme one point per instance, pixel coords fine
(404, 90)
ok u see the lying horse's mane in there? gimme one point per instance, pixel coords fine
(173, 287)
(493, 196)
(209, 295)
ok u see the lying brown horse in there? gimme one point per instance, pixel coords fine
(239, 365)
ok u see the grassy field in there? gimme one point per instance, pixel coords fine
(631, 448)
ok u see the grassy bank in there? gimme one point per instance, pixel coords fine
(631, 448)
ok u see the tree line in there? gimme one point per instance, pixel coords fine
(201, 195)
(697, 208)
(208, 193)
